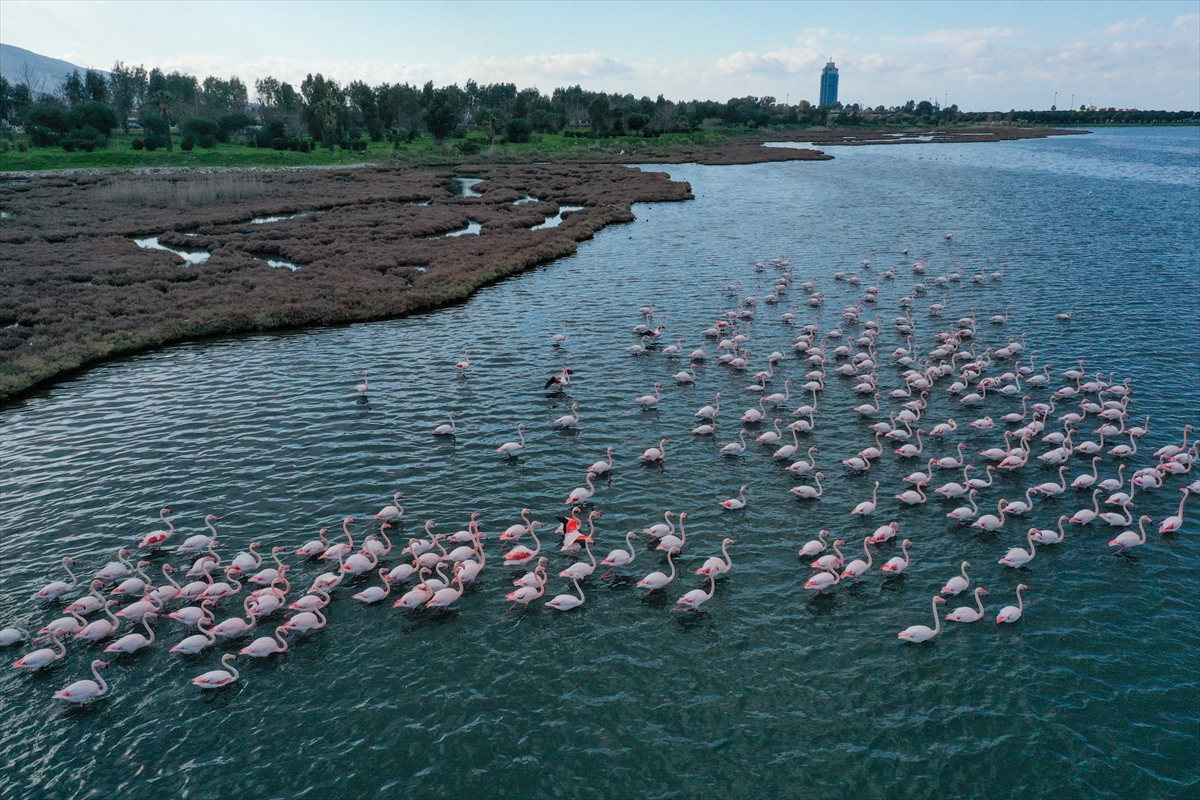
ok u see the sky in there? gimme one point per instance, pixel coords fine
(977, 55)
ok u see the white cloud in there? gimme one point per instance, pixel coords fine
(1187, 21)
(957, 38)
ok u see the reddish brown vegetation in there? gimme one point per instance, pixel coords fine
(74, 288)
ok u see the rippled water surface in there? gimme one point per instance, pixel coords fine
(767, 692)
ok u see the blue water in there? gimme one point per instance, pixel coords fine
(767, 692)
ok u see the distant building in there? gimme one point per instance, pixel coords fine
(829, 82)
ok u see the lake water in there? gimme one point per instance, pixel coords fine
(767, 692)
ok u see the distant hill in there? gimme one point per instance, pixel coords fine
(44, 73)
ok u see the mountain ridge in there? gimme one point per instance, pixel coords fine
(44, 74)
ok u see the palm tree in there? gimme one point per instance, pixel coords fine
(327, 112)
(161, 102)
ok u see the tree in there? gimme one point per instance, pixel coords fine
(5, 98)
(71, 91)
(161, 102)
(600, 115)
(95, 87)
(441, 117)
(128, 88)
(96, 115)
(326, 113)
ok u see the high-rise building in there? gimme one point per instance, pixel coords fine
(829, 82)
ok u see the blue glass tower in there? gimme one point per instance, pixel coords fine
(829, 82)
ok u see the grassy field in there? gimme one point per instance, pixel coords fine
(120, 155)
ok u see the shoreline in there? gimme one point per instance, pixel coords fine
(368, 243)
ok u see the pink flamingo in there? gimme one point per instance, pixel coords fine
(896, 564)
(966, 613)
(697, 597)
(156, 538)
(43, 657)
(1130, 539)
(215, 679)
(922, 633)
(267, 645)
(85, 691)
(1012, 613)
(1175, 521)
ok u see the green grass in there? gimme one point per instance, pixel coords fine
(120, 155)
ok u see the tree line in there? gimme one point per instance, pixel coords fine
(84, 110)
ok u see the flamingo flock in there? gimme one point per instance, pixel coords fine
(440, 568)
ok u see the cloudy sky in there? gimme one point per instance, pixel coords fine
(980, 55)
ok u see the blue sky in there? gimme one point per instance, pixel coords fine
(980, 55)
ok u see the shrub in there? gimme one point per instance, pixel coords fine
(96, 115)
(186, 145)
(207, 141)
(137, 144)
(152, 143)
(196, 128)
(467, 147)
(518, 130)
(86, 138)
(305, 146)
(278, 144)
(41, 136)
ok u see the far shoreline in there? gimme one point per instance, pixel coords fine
(75, 292)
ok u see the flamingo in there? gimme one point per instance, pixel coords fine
(462, 366)
(13, 634)
(773, 437)
(135, 612)
(525, 595)
(738, 447)
(1019, 507)
(718, 566)
(885, 532)
(619, 558)
(814, 546)
(1115, 519)
(896, 565)
(101, 628)
(1174, 522)
(654, 454)
(867, 506)
(336, 552)
(959, 583)
(510, 449)
(560, 338)
(447, 429)
(1044, 537)
(365, 386)
(966, 613)
(582, 569)
(193, 615)
(52, 590)
(710, 412)
(215, 679)
(566, 602)
(156, 538)
(444, 597)
(1012, 613)
(236, 626)
(657, 580)
(603, 466)
(267, 645)
(650, 401)
(305, 622)
(990, 522)
(215, 591)
(316, 547)
(132, 642)
(911, 450)
(85, 691)
(824, 580)
(755, 414)
(921, 633)
(417, 596)
(661, 529)
(858, 567)
(804, 466)
(42, 657)
(389, 513)
(857, 464)
(735, 503)
(581, 494)
(115, 570)
(1130, 539)
(521, 554)
(196, 642)
(192, 544)
(568, 420)
(373, 594)
(671, 541)
(952, 463)
(93, 600)
(246, 561)
(1017, 557)
(831, 562)
(1050, 488)
(913, 497)
(697, 597)
(980, 483)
